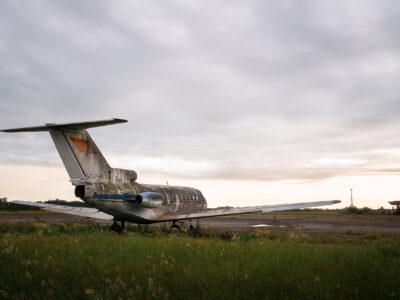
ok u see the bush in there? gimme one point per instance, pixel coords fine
(3, 204)
(358, 211)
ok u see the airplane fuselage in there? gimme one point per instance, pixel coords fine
(141, 203)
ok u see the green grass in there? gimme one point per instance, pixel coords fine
(43, 261)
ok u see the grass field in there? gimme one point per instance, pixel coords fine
(44, 261)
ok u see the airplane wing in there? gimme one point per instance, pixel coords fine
(94, 213)
(245, 210)
(71, 210)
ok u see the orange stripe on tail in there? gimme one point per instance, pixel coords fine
(80, 144)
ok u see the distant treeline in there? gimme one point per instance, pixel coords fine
(5, 205)
(63, 202)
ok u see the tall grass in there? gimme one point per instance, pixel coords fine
(75, 261)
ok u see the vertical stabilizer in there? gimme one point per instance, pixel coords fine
(80, 155)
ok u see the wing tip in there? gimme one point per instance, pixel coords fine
(120, 120)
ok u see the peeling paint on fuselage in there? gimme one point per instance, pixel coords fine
(116, 199)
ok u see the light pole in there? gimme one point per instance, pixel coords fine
(351, 198)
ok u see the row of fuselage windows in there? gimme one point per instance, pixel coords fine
(182, 197)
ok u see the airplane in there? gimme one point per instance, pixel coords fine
(114, 194)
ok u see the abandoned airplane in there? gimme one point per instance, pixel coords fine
(114, 194)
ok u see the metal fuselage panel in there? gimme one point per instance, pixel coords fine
(117, 199)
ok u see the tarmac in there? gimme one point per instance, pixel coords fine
(299, 220)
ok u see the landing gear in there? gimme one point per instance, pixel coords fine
(190, 226)
(116, 227)
(174, 225)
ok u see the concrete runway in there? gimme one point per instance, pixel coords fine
(355, 223)
(303, 220)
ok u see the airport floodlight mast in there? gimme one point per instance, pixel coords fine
(351, 198)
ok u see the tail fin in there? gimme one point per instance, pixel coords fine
(80, 155)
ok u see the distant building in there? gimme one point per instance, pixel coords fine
(395, 203)
(395, 208)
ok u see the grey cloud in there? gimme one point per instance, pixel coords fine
(261, 89)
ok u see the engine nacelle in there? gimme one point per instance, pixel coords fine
(84, 191)
(149, 199)
(123, 176)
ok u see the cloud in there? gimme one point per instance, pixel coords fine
(249, 90)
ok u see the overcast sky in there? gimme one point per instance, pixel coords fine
(257, 91)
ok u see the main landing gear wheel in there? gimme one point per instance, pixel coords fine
(116, 227)
(174, 225)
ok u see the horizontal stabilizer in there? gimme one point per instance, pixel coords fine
(71, 210)
(73, 126)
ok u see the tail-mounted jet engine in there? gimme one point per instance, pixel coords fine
(149, 199)
(84, 191)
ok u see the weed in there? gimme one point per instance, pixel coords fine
(87, 261)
